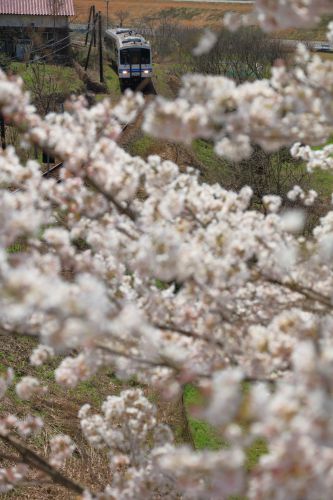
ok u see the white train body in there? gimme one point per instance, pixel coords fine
(130, 53)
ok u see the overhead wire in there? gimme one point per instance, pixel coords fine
(50, 45)
(55, 51)
(50, 54)
(43, 47)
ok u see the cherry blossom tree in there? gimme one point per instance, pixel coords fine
(246, 298)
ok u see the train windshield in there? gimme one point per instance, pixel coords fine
(135, 55)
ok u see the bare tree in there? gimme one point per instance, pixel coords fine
(247, 54)
(267, 173)
(122, 15)
(44, 89)
(170, 39)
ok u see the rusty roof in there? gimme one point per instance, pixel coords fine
(37, 7)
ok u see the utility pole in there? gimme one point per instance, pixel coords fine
(107, 14)
(100, 48)
(89, 22)
(94, 16)
(93, 36)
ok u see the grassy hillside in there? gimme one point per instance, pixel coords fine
(62, 79)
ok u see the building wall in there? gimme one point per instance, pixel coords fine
(14, 21)
(29, 43)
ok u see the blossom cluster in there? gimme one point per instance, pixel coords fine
(281, 14)
(292, 105)
(62, 447)
(28, 387)
(128, 428)
(135, 265)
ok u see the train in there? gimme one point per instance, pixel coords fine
(130, 54)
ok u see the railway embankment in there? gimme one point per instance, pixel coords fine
(91, 83)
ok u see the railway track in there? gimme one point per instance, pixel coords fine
(52, 172)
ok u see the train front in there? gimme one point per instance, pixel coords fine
(135, 61)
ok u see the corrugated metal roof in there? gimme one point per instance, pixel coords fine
(37, 7)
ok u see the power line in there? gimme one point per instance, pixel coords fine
(49, 55)
(49, 45)
(42, 47)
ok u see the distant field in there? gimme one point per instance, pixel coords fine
(198, 13)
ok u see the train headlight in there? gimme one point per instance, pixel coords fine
(124, 71)
(146, 71)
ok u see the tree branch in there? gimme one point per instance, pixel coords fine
(121, 209)
(31, 458)
(309, 293)
(133, 358)
(188, 333)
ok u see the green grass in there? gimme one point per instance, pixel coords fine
(63, 78)
(112, 81)
(216, 169)
(203, 434)
(87, 391)
(8, 357)
(205, 153)
(322, 182)
(101, 97)
(16, 248)
(161, 285)
(254, 452)
(160, 80)
(142, 146)
(206, 436)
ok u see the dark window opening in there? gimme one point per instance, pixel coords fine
(135, 56)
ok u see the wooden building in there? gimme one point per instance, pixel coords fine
(35, 28)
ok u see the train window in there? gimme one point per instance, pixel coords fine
(124, 57)
(135, 56)
(145, 56)
(131, 40)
